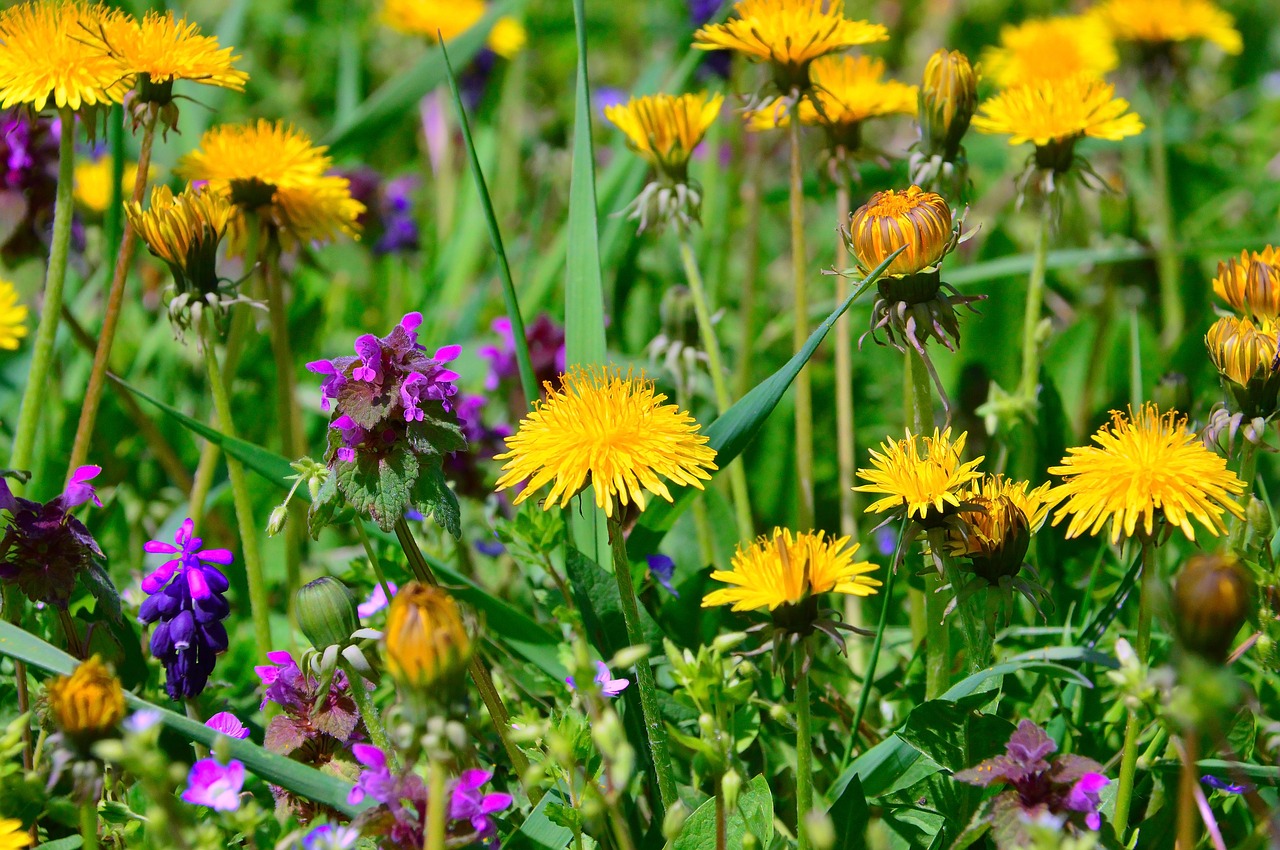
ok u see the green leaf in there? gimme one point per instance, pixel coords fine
(954, 733)
(539, 831)
(432, 496)
(398, 97)
(301, 779)
(754, 814)
(71, 842)
(596, 594)
(379, 485)
(850, 816)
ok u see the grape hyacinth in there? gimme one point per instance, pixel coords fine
(45, 548)
(185, 597)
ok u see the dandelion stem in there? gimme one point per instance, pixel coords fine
(1133, 727)
(1248, 471)
(1164, 235)
(653, 725)
(1188, 784)
(259, 603)
(750, 201)
(804, 746)
(115, 297)
(800, 295)
(1027, 389)
(715, 364)
(1135, 360)
(975, 637)
(433, 835)
(46, 333)
(88, 809)
(846, 436)
(937, 637)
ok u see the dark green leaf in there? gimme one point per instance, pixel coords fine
(955, 734)
(541, 830)
(432, 496)
(850, 816)
(379, 485)
(754, 814)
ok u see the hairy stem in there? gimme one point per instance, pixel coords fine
(804, 746)
(800, 333)
(433, 835)
(368, 711)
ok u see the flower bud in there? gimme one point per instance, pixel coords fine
(673, 821)
(1246, 357)
(275, 523)
(1212, 596)
(947, 101)
(427, 646)
(731, 787)
(326, 612)
(88, 704)
(915, 218)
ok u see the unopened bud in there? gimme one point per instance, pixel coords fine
(326, 612)
(275, 523)
(673, 821)
(728, 642)
(426, 642)
(628, 657)
(730, 788)
(947, 101)
(1258, 515)
(1211, 599)
(88, 704)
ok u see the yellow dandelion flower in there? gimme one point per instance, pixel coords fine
(48, 54)
(1169, 21)
(847, 90)
(1251, 285)
(609, 430)
(432, 18)
(1143, 465)
(274, 170)
(185, 231)
(996, 537)
(89, 703)
(166, 48)
(664, 129)
(12, 835)
(785, 569)
(1051, 49)
(1055, 111)
(789, 34)
(92, 182)
(916, 482)
(890, 219)
(13, 317)
(508, 37)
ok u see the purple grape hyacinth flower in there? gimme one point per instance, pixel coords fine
(467, 803)
(44, 547)
(185, 599)
(663, 569)
(609, 686)
(228, 724)
(215, 785)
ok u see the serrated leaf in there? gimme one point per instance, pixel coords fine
(131, 665)
(433, 497)
(367, 403)
(380, 486)
(754, 814)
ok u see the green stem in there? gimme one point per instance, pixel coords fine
(702, 528)
(368, 711)
(89, 810)
(937, 671)
(653, 725)
(1135, 361)
(46, 333)
(750, 202)
(920, 399)
(74, 646)
(1133, 727)
(804, 746)
(846, 436)
(115, 298)
(433, 835)
(1164, 235)
(374, 561)
(259, 603)
(1035, 303)
(722, 821)
(715, 364)
(800, 333)
(1248, 471)
(977, 646)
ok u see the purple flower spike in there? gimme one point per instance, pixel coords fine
(1083, 797)
(228, 724)
(215, 785)
(370, 353)
(663, 570)
(468, 803)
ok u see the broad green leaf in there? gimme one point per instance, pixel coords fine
(754, 814)
(301, 779)
(954, 733)
(379, 486)
(538, 832)
(850, 816)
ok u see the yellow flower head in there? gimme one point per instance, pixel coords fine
(918, 219)
(1142, 465)
(1251, 285)
(508, 37)
(915, 482)
(432, 18)
(946, 103)
(1051, 49)
(88, 704)
(847, 90)
(48, 53)
(1054, 114)
(664, 129)
(274, 170)
(1245, 353)
(184, 231)
(93, 183)
(1159, 22)
(786, 569)
(426, 643)
(164, 49)
(609, 430)
(789, 34)
(12, 835)
(13, 317)
(996, 537)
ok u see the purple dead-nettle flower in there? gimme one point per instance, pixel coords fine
(29, 154)
(609, 686)
(1039, 784)
(329, 837)
(228, 724)
(313, 724)
(394, 421)
(546, 354)
(186, 603)
(1224, 786)
(44, 548)
(215, 785)
(663, 569)
(468, 803)
(464, 469)
(377, 600)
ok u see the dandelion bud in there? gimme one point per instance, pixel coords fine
(1245, 355)
(326, 612)
(1251, 284)
(427, 645)
(947, 100)
(918, 219)
(1258, 516)
(1173, 392)
(673, 821)
(1212, 596)
(730, 788)
(88, 704)
(728, 642)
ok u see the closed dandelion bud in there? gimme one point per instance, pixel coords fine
(947, 100)
(1212, 596)
(426, 644)
(1245, 354)
(326, 612)
(87, 705)
(1173, 392)
(730, 788)
(673, 820)
(915, 218)
(1251, 284)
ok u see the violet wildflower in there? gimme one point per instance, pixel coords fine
(1066, 787)
(394, 423)
(1224, 786)
(329, 837)
(29, 184)
(313, 724)
(483, 442)
(186, 601)
(44, 548)
(215, 785)
(399, 224)
(376, 601)
(546, 354)
(228, 724)
(715, 63)
(609, 686)
(490, 546)
(467, 802)
(663, 569)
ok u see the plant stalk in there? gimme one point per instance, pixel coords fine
(89, 809)
(259, 603)
(750, 201)
(653, 725)
(804, 746)
(1188, 785)
(433, 835)
(937, 636)
(47, 331)
(115, 298)
(1133, 727)
(1028, 387)
(846, 436)
(800, 295)
(368, 711)
(1173, 314)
